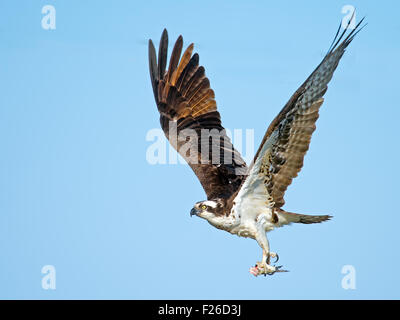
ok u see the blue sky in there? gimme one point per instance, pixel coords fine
(76, 190)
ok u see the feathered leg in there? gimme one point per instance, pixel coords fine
(263, 266)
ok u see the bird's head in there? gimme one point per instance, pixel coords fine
(211, 210)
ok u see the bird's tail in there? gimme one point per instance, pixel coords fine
(289, 217)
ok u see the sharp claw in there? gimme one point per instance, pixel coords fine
(278, 269)
(276, 256)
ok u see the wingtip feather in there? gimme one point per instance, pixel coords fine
(163, 53)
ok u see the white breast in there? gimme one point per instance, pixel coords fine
(253, 205)
(254, 215)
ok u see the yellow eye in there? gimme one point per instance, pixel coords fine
(203, 207)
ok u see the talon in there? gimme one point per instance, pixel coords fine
(278, 269)
(274, 255)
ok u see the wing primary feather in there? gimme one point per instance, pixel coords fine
(334, 39)
(354, 32)
(174, 60)
(153, 68)
(188, 71)
(162, 54)
(345, 30)
(184, 61)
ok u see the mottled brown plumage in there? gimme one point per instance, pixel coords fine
(186, 101)
(296, 123)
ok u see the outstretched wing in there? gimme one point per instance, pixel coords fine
(282, 150)
(190, 120)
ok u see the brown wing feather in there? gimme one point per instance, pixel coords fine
(186, 101)
(295, 124)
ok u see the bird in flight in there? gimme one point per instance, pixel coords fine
(242, 200)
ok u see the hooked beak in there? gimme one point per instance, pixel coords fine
(194, 212)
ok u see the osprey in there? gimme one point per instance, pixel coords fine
(242, 200)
